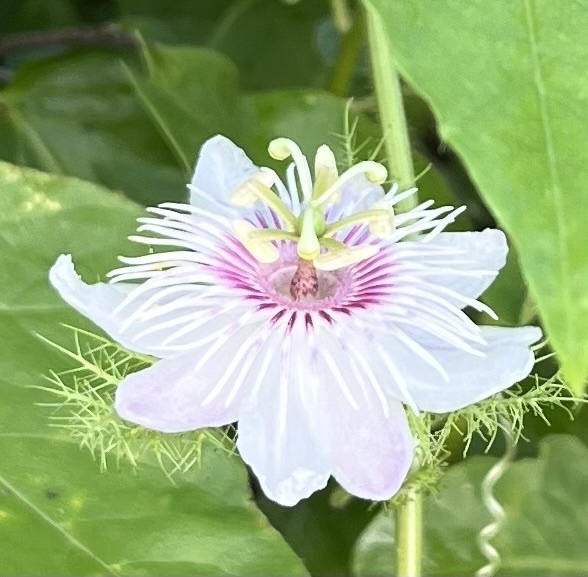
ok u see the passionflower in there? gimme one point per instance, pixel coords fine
(306, 311)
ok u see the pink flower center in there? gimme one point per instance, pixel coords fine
(275, 281)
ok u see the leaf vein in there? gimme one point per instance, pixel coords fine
(557, 194)
(57, 527)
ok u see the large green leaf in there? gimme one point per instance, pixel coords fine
(275, 45)
(78, 115)
(58, 514)
(545, 528)
(191, 95)
(509, 99)
(172, 90)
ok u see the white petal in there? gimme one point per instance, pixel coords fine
(205, 387)
(99, 303)
(96, 302)
(275, 435)
(365, 434)
(222, 167)
(507, 361)
(481, 251)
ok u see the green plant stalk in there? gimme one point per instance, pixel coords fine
(344, 68)
(341, 16)
(390, 108)
(409, 535)
(409, 514)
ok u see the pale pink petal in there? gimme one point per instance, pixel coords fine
(477, 251)
(275, 434)
(506, 360)
(101, 303)
(221, 168)
(96, 302)
(205, 387)
(364, 432)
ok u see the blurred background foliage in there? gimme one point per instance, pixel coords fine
(122, 94)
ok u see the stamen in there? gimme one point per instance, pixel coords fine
(340, 259)
(304, 283)
(332, 244)
(282, 148)
(374, 172)
(272, 234)
(325, 172)
(252, 189)
(379, 217)
(383, 226)
(257, 188)
(262, 250)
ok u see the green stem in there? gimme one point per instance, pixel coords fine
(341, 16)
(409, 515)
(409, 536)
(344, 69)
(391, 108)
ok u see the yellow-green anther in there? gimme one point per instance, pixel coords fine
(308, 246)
(332, 244)
(256, 189)
(283, 148)
(373, 171)
(272, 234)
(382, 227)
(246, 194)
(249, 192)
(262, 250)
(325, 172)
(369, 217)
(334, 260)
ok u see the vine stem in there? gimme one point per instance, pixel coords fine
(409, 535)
(409, 514)
(108, 36)
(390, 108)
(341, 16)
(351, 43)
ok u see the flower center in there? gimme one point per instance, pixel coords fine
(305, 281)
(301, 284)
(314, 238)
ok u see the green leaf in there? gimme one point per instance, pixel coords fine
(275, 45)
(58, 514)
(191, 95)
(508, 97)
(78, 115)
(309, 117)
(545, 525)
(506, 295)
(19, 15)
(322, 529)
